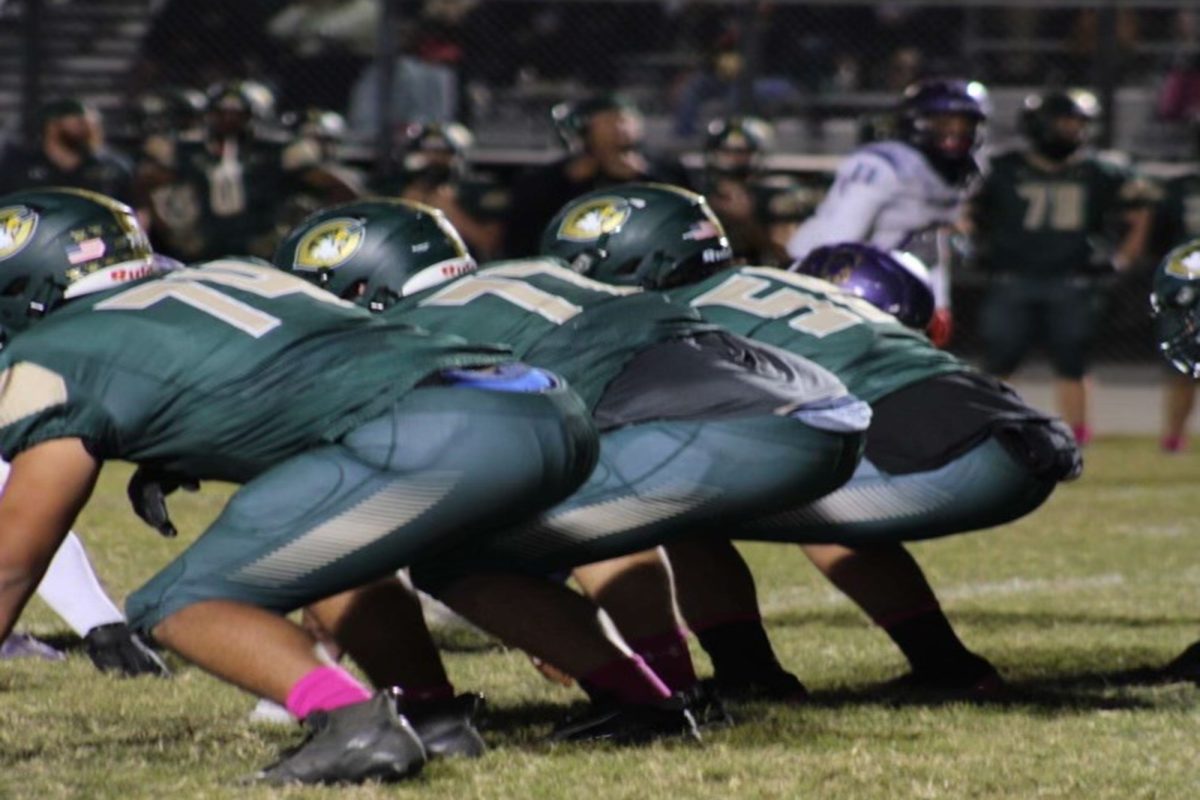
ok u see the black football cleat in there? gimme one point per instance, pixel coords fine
(630, 724)
(1186, 666)
(367, 741)
(706, 705)
(979, 683)
(115, 648)
(447, 727)
(775, 686)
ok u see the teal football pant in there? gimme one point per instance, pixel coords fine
(444, 465)
(983, 488)
(658, 480)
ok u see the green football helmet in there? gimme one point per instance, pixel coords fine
(58, 243)
(571, 119)
(1040, 112)
(373, 252)
(1175, 307)
(651, 235)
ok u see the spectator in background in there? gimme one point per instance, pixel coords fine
(235, 178)
(1085, 43)
(163, 120)
(326, 45)
(724, 77)
(759, 210)
(70, 151)
(603, 135)
(432, 169)
(319, 134)
(422, 90)
(1179, 95)
(1052, 221)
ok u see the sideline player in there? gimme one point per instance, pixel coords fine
(1175, 306)
(1178, 222)
(1053, 221)
(234, 371)
(909, 193)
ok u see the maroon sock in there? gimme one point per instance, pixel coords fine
(427, 694)
(928, 641)
(667, 654)
(628, 680)
(738, 647)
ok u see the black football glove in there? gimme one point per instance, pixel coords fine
(148, 490)
(115, 648)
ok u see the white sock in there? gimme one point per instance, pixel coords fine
(71, 588)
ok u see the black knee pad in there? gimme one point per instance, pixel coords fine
(1046, 447)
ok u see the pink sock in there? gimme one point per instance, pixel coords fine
(1173, 444)
(667, 654)
(629, 680)
(324, 689)
(1083, 434)
(428, 694)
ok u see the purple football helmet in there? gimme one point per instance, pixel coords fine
(896, 282)
(926, 121)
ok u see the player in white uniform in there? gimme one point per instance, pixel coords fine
(71, 588)
(908, 193)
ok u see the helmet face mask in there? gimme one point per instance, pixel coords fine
(573, 120)
(374, 252)
(897, 283)
(1175, 308)
(436, 152)
(57, 244)
(235, 107)
(1057, 124)
(650, 235)
(734, 146)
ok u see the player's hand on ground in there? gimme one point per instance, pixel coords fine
(148, 490)
(115, 648)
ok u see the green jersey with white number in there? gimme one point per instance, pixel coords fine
(869, 351)
(1179, 214)
(552, 317)
(216, 372)
(1039, 221)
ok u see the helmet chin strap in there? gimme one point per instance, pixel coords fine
(48, 296)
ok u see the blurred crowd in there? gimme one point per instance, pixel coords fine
(230, 168)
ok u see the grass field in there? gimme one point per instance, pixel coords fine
(1101, 581)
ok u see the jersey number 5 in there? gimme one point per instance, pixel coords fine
(747, 291)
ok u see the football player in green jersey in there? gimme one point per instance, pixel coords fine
(1053, 220)
(1175, 306)
(948, 450)
(697, 425)
(235, 371)
(1178, 222)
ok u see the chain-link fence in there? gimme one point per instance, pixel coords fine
(815, 70)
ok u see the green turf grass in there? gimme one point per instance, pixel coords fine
(1101, 581)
